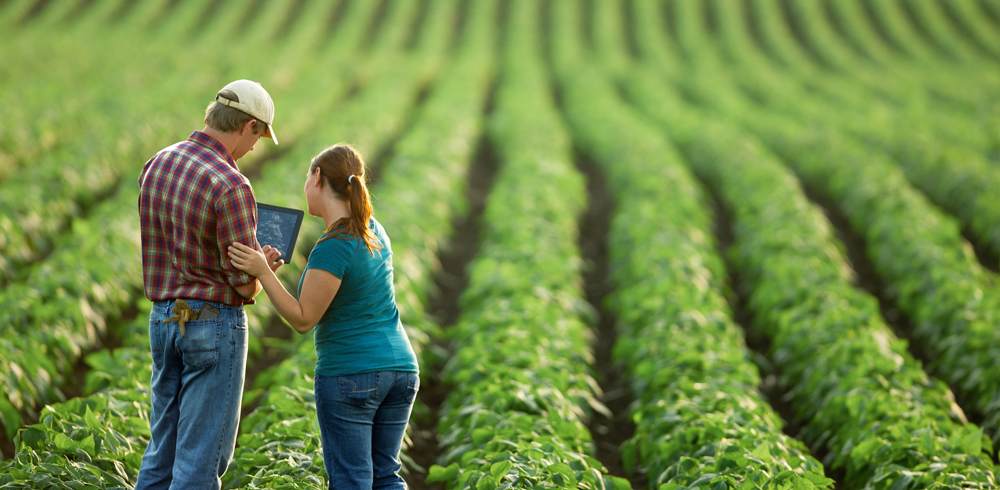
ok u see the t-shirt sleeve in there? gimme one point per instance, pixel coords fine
(236, 214)
(333, 256)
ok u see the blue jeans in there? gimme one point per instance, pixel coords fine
(197, 387)
(362, 420)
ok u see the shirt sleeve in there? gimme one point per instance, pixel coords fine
(333, 255)
(236, 214)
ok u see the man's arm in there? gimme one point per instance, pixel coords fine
(249, 290)
(236, 212)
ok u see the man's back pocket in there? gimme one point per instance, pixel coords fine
(199, 347)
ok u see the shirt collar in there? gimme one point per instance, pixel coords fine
(213, 144)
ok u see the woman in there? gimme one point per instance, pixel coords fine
(366, 375)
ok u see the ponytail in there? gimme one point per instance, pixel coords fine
(342, 167)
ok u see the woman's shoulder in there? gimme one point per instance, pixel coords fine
(332, 254)
(349, 242)
(328, 242)
(379, 231)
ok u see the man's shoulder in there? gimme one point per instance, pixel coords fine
(206, 164)
(175, 150)
(226, 177)
(188, 150)
(182, 153)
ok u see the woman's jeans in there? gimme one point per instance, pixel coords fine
(197, 387)
(362, 420)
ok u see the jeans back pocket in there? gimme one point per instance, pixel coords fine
(412, 387)
(199, 347)
(359, 389)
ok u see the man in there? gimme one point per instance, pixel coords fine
(193, 204)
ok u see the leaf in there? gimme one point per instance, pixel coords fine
(42, 480)
(862, 452)
(9, 417)
(91, 419)
(562, 469)
(763, 452)
(854, 404)
(927, 444)
(440, 474)
(482, 435)
(498, 470)
(628, 454)
(819, 480)
(486, 483)
(19, 475)
(65, 443)
(260, 459)
(619, 483)
(87, 444)
(33, 437)
(706, 478)
(903, 482)
(972, 442)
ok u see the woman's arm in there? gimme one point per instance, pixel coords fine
(318, 288)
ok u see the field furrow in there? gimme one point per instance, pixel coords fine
(521, 369)
(959, 179)
(674, 244)
(851, 381)
(928, 268)
(700, 418)
(799, 287)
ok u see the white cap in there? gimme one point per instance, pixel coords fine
(252, 99)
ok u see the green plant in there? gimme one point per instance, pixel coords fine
(862, 395)
(699, 417)
(521, 367)
(279, 441)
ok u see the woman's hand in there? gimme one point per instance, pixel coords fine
(253, 262)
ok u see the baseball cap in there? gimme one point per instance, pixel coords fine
(252, 99)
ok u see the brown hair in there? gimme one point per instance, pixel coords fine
(228, 120)
(337, 164)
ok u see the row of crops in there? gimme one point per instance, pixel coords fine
(728, 134)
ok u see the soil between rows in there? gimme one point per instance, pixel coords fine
(609, 433)
(868, 279)
(987, 258)
(6, 448)
(450, 281)
(269, 356)
(743, 315)
(760, 344)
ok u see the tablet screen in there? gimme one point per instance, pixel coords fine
(279, 228)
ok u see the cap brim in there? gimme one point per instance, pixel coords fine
(270, 132)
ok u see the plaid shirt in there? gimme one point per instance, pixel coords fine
(194, 203)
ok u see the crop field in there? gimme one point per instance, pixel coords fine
(664, 244)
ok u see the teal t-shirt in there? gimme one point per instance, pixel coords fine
(360, 331)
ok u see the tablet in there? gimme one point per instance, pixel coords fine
(279, 228)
